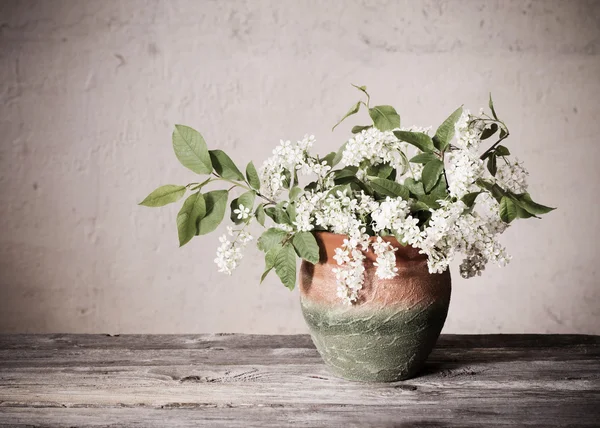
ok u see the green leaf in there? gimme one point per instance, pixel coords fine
(270, 238)
(424, 158)
(252, 176)
(356, 186)
(224, 166)
(440, 190)
(245, 200)
(390, 188)
(430, 200)
(329, 159)
(418, 139)
(491, 104)
(431, 174)
(419, 206)
(382, 170)
(345, 174)
(493, 188)
(306, 246)
(353, 110)
(260, 214)
(270, 258)
(294, 193)
(385, 118)
(405, 165)
(287, 178)
(164, 195)
(445, 132)
(488, 132)
(264, 275)
(285, 266)
(343, 188)
(359, 128)
(415, 187)
(192, 211)
(278, 215)
(271, 254)
(362, 89)
(502, 151)
(485, 184)
(492, 165)
(532, 207)
(508, 209)
(469, 198)
(216, 203)
(497, 192)
(291, 211)
(190, 149)
(338, 156)
(522, 212)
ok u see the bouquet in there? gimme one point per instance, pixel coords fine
(448, 193)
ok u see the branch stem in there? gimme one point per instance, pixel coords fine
(235, 183)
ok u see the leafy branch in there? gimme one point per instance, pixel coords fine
(203, 211)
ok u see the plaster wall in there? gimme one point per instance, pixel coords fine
(90, 91)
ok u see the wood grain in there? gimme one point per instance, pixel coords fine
(274, 381)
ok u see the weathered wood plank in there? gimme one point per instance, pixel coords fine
(245, 341)
(484, 413)
(241, 380)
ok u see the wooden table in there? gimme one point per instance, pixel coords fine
(276, 381)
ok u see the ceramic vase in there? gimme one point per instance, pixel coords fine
(389, 332)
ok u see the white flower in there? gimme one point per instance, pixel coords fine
(242, 212)
(228, 256)
(472, 265)
(374, 147)
(512, 175)
(467, 133)
(350, 274)
(288, 158)
(463, 168)
(229, 253)
(386, 259)
(390, 214)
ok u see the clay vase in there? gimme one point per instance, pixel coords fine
(389, 332)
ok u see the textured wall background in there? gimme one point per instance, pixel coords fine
(90, 91)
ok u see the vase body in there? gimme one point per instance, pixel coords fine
(389, 332)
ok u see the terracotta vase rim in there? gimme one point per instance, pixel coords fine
(390, 238)
(329, 241)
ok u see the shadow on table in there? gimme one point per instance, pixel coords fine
(469, 355)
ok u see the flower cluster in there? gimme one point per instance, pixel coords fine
(229, 252)
(438, 192)
(513, 176)
(386, 259)
(373, 147)
(350, 273)
(463, 166)
(451, 228)
(290, 158)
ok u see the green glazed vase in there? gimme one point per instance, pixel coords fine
(390, 331)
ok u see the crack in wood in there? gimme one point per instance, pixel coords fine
(191, 379)
(406, 387)
(466, 371)
(247, 376)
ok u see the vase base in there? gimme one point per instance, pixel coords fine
(385, 345)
